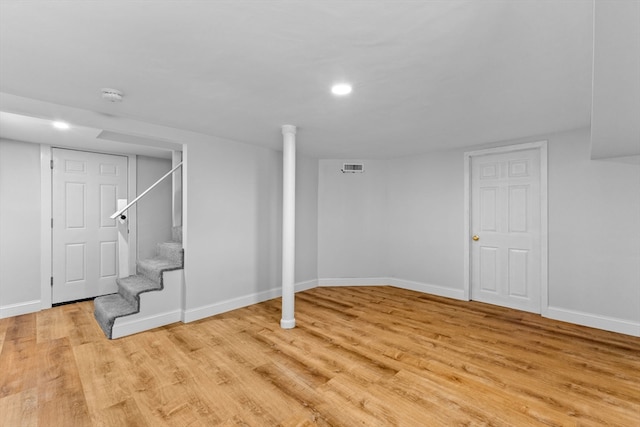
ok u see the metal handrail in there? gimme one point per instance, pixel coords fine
(121, 211)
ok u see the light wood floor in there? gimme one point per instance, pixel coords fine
(365, 356)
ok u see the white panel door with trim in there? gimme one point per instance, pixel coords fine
(85, 189)
(506, 229)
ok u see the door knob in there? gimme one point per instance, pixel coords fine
(476, 238)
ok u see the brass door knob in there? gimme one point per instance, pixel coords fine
(476, 238)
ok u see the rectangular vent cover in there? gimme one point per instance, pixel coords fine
(352, 168)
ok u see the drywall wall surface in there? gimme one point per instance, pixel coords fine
(19, 223)
(233, 222)
(594, 230)
(593, 225)
(352, 220)
(615, 123)
(233, 245)
(154, 209)
(426, 212)
(306, 219)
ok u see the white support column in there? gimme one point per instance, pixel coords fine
(288, 320)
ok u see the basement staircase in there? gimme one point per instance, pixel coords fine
(151, 298)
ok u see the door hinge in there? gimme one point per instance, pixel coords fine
(51, 164)
(51, 222)
(52, 281)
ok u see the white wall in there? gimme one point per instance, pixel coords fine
(20, 287)
(352, 221)
(233, 230)
(306, 219)
(401, 219)
(19, 227)
(426, 211)
(234, 214)
(233, 223)
(594, 229)
(615, 123)
(153, 210)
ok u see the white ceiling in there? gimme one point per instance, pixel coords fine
(427, 75)
(19, 127)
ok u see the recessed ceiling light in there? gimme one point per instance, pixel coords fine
(341, 89)
(61, 125)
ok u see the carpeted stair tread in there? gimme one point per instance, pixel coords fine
(152, 268)
(109, 307)
(130, 287)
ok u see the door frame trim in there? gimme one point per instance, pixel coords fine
(46, 233)
(544, 241)
(46, 212)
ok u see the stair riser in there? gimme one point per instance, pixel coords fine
(131, 298)
(171, 252)
(102, 319)
(151, 274)
(131, 287)
(109, 307)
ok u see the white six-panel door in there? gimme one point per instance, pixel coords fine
(505, 229)
(85, 189)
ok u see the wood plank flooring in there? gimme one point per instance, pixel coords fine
(361, 356)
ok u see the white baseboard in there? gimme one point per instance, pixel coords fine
(398, 283)
(19, 309)
(303, 286)
(594, 321)
(427, 288)
(580, 318)
(122, 327)
(354, 281)
(198, 313)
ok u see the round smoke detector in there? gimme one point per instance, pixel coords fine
(112, 95)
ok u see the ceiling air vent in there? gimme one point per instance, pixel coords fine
(352, 168)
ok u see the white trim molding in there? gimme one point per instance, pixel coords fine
(198, 313)
(429, 289)
(185, 226)
(544, 241)
(354, 281)
(306, 285)
(594, 321)
(425, 288)
(209, 310)
(576, 317)
(125, 327)
(45, 227)
(132, 216)
(20, 308)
